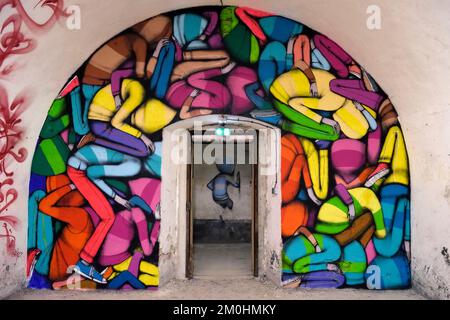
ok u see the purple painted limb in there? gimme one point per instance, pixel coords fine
(322, 279)
(355, 90)
(343, 194)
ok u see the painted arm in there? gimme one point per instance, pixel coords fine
(298, 103)
(135, 98)
(116, 79)
(302, 49)
(67, 214)
(311, 238)
(199, 80)
(140, 220)
(367, 199)
(199, 60)
(213, 19)
(186, 113)
(139, 46)
(345, 196)
(153, 61)
(235, 182)
(334, 54)
(251, 92)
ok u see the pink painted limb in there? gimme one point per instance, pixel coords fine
(213, 19)
(141, 224)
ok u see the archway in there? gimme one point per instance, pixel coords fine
(177, 156)
(96, 171)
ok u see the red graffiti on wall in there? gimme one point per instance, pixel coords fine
(11, 133)
(37, 16)
(10, 242)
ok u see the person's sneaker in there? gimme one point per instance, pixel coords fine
(32, 257)
(380, 172)
(88, 271)
(269, 116)
(86, 139)
(333, 267)
(291, 281)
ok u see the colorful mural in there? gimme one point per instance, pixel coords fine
(95, 182)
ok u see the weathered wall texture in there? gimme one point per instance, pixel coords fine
(408, 57)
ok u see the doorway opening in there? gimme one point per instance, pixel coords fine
(222, 211)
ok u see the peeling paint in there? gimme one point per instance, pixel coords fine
(446, 255)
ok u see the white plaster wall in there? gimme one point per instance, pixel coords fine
(409, 57)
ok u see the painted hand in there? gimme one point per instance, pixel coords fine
(332, 123)
(407, 245)
(148, 143)
(313, 90)
(194, 93)
(161, 43)
(158, 212)
(123, 202)
(118, 101)
(351, 212)
(313, 197)
(228, 67)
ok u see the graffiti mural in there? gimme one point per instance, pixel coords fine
(95, 180)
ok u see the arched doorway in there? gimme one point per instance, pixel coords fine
(176, 238)
(98, 195)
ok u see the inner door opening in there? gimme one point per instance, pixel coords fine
(222, 214)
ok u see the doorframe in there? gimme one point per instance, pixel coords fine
(190, 216)
(189, 223)
(172, 237)
(255, 235)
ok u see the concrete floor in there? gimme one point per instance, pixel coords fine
(226, 289)
(213, 265)
(215, 261)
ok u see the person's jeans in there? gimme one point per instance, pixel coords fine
(118, 140)
(102, 208)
